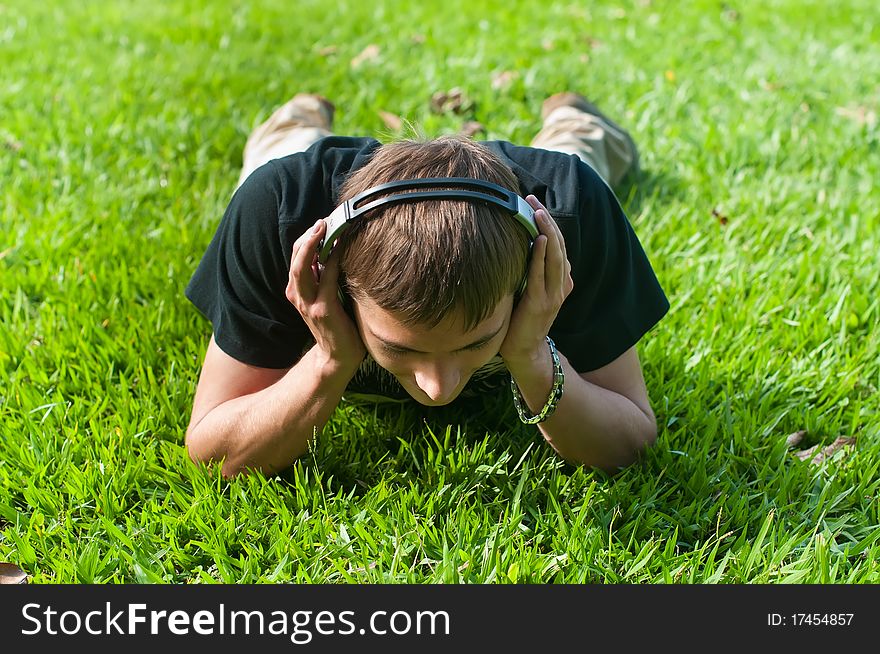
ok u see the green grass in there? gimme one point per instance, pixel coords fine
(121, 129)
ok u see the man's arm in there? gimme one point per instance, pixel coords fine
(260, 418)
(604, 418)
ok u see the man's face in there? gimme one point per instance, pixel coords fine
(432, 364)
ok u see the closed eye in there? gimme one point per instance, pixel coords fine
(395, 352)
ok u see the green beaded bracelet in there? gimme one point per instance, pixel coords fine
(555, 391)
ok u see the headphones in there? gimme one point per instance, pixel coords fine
(459, 188)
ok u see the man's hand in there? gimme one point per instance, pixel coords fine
(312, 289)
(549, 283)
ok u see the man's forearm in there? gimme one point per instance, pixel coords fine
(269, 429)
(591, 425)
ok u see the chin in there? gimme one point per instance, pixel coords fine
(424, 400)
(433, 403)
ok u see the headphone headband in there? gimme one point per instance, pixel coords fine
(460, 188)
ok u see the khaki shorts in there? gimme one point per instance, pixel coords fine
(582, 131)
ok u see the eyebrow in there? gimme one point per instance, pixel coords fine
(391, 345)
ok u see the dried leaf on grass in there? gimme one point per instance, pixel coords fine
(471, 128)
(771, 86)
(328, 50)
(730, 14)
(392, 121)
(795, 438)
(12, 574)
(861, 115)
(503, 79)
(803, 455)
(817, 455)
(369, 53)
(454, 100)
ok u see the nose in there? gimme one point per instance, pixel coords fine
(438, 382)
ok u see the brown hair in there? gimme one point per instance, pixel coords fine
(429, 259)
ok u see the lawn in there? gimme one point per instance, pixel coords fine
(121, 130)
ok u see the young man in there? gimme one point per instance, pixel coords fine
(425, 299)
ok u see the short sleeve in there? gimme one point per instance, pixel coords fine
(239, 285)
(616, 297)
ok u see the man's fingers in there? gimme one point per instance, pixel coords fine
(556, 265)
(329, 277)
(550, 228)
(554, 259)
(536, 268)
(534, 202)
(302, 278)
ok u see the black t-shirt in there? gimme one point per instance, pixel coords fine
(240, 282)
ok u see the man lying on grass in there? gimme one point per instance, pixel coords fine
(542, 292)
